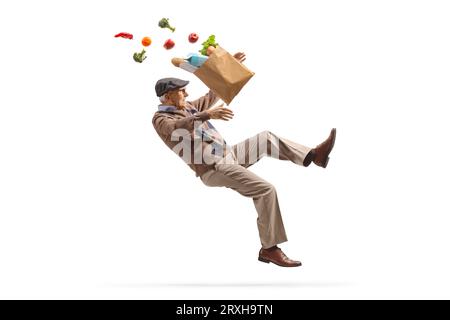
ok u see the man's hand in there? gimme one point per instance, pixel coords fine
(220, 113)
(240, 56)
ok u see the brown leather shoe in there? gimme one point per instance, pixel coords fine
(322, 151)
(275, 255)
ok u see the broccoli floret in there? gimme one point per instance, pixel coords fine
(139, 57)
(164, 23)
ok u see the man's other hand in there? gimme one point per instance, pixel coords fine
(220, 113)
(240, 56)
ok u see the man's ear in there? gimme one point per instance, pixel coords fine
(166, 97)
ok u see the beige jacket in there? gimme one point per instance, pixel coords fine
(165, 122)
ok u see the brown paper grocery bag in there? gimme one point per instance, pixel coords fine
(224, 75)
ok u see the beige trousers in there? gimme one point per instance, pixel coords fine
(232, 173)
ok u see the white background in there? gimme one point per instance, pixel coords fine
(94, 205)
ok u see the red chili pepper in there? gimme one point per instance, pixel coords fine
(124, 35)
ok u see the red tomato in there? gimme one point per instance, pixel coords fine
(169, 44)
(193, 37)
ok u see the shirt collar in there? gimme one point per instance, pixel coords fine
(166, 108)
(163, 107)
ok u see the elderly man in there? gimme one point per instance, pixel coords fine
(185, 128)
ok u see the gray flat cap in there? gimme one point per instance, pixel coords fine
(167, 84)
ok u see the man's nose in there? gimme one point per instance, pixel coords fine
(186, 94)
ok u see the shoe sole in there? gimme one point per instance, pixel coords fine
(326, 162)
(263, 260)
(268, 261)
(333, 132)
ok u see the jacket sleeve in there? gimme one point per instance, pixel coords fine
(205, 102)
(165, 125)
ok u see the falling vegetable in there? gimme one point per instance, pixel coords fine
(210, 42)
(139, 57)
(146, 41)
(193, 37)
(169, 44)
(124, 35)
(164, 23)
(210, 50)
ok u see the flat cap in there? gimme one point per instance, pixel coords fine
(167, 84)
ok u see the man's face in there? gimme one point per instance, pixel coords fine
(177, 98)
